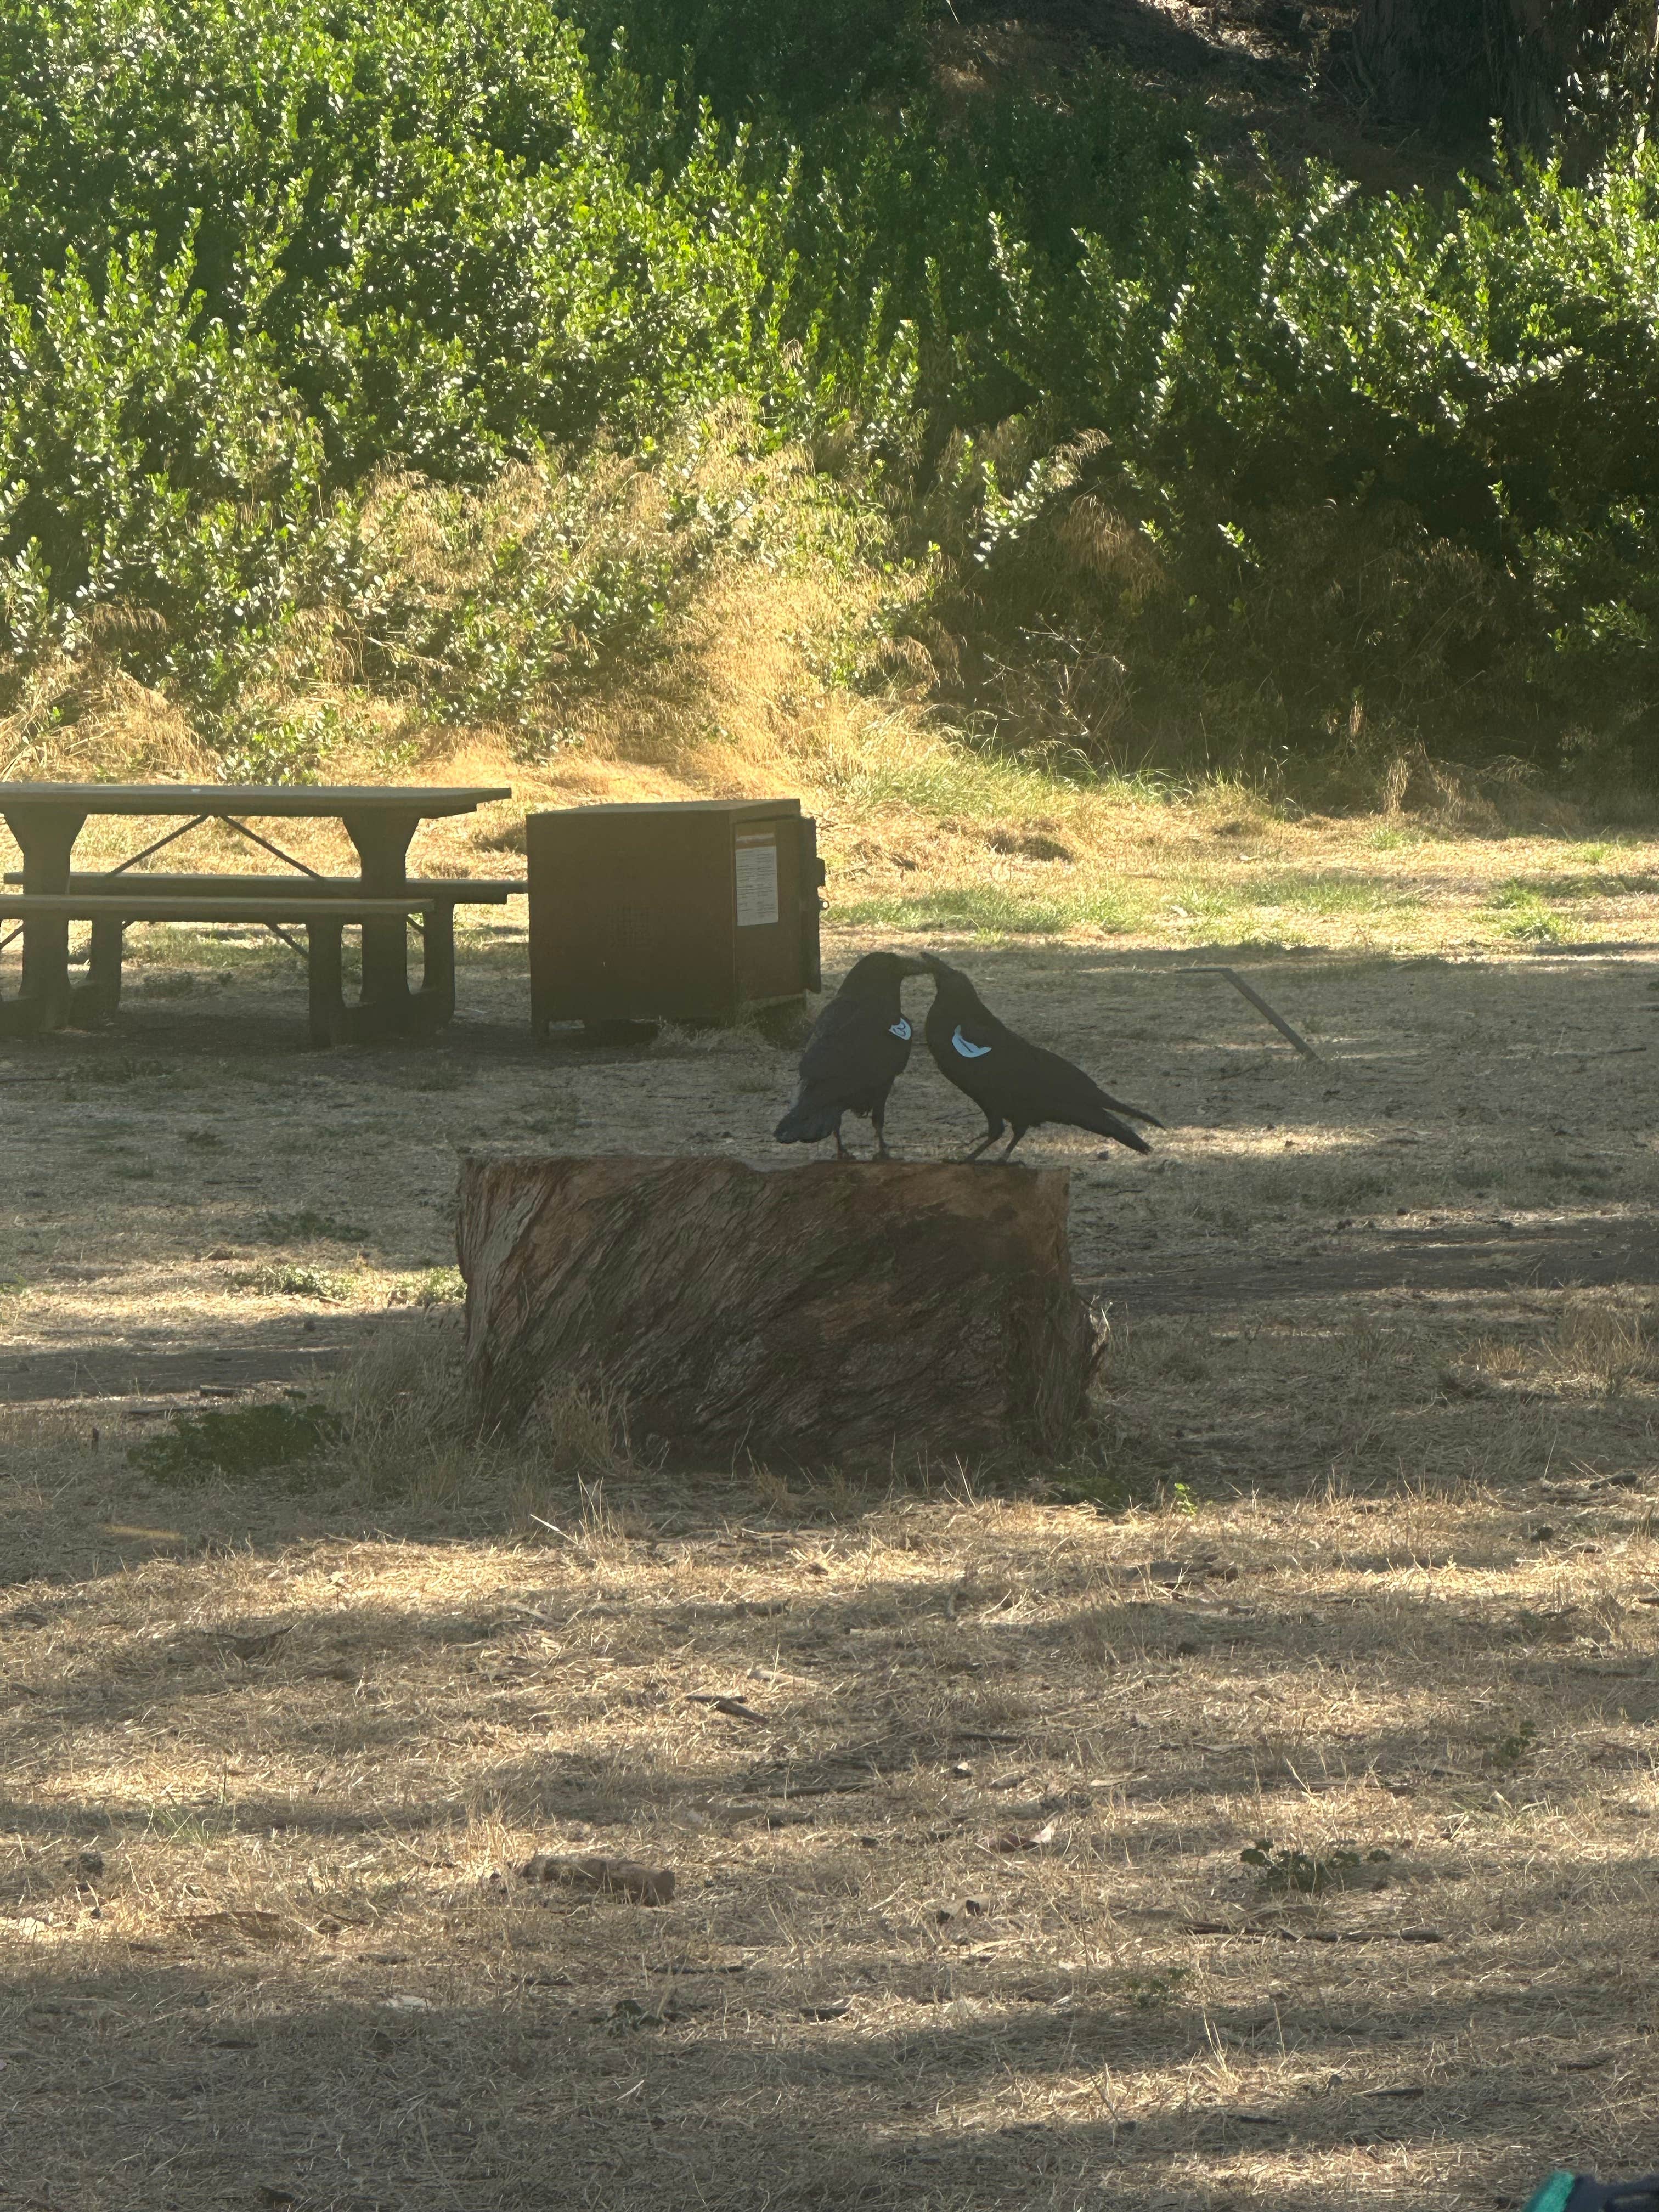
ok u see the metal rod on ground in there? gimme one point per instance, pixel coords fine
(1246, 991)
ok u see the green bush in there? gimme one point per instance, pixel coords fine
(154, 473)
(1199, 462)
(1286, 455)
(421, 205)
(251, 258)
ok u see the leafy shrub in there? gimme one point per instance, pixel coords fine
(155, 476)
(422, 206)
(1290, 457)
(1258, 467)
(796, 58)
(249, 258)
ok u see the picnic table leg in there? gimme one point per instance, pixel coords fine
(382, 836)
(46, 836)
(97, 999)
(329, 1012)
(437, 997)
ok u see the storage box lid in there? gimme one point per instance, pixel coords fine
(735, 806)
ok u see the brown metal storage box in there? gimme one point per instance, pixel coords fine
(685, 913)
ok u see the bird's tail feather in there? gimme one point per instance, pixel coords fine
(806, 1125)
(1107, 1125)
(1134, 1113)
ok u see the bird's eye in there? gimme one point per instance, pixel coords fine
(968, 1051)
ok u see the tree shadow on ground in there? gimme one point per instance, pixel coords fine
(698, 2085)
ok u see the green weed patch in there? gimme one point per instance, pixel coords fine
(438, 1287)
(1520, 912)
(989, 910)
(233, 1442)
(327, 1285)
(1284, 1867)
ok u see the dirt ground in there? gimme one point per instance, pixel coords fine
(1359, 1571)
(1282, 74)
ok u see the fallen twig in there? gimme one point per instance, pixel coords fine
(738, 1708)
(1280, 1932)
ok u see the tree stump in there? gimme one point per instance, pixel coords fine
(802, 1313)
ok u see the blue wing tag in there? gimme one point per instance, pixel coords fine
(900, 1029)
(968, 1051)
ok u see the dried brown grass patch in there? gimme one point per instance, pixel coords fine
(405, 1427)
(118, 727)
(1323, 1592)
(1606, 1342)
(960, 1914)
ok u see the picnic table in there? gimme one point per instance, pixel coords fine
(380, 900)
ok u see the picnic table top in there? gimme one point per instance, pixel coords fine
(293, 800)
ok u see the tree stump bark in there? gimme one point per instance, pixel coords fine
(799, 1314)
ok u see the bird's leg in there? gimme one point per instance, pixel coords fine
(842, 1152)
(984, 1144)
(1003, 1155)
(878, 1122)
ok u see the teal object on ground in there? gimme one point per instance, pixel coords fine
(1553, 2197)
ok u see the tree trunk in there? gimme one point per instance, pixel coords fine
(1453, 67)
(796, 1314)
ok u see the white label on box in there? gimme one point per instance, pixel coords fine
(757, 880)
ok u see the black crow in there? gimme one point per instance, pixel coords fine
(1010, 1080)
(855, 1056)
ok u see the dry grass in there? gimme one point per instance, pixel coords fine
(1360, 1556)
(927, 839)
(1362, 1562)
(961, 1919)
(773, 668)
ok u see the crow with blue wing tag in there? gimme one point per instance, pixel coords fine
(1011, 1081)
(856, 1053)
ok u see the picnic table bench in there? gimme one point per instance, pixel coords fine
(382, 901)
